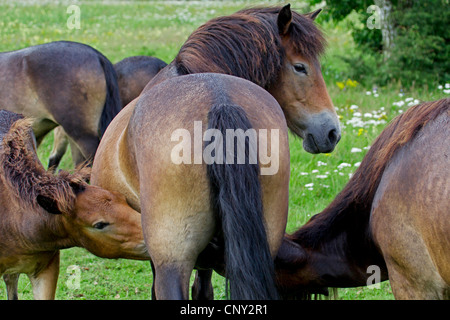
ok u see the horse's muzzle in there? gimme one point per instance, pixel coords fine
(322, 133)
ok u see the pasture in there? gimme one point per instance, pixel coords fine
(158, 28)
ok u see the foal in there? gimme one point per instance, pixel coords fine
(41, 213)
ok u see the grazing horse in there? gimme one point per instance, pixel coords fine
(62, 83)
(133, 74)
(275, 48)
(393, 217)
(185, 204)
(41, 213)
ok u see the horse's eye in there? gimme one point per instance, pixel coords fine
(300, 68)
(100, 225)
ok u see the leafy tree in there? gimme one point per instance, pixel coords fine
(409, 41)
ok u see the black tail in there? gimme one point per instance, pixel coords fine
(236, 197)
(113, 105)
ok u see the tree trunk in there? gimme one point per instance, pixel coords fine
(387, 27)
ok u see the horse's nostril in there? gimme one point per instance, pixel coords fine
(333, 136)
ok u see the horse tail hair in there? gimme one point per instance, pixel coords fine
(236, 198)
(113, 104)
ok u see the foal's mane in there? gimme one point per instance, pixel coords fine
(351, 208)
(24, 173)
(247, 44)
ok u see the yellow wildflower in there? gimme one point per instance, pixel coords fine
(351, 83)
(341, 85)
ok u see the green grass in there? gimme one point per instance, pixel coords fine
(159, 28)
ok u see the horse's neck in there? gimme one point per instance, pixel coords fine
(339, 245)
(27, 230)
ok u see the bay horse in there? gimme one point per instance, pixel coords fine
(41, 213)
(275, 48)
(62, 83)
(184, 204)
(133, 74)
(393, 215)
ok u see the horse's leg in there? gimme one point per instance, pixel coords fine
(83, 147)
(153, 285)
(172, 281)
(12, 281)
(174, 240)
(77, 155)
(202, 288)
(60, 143)
(44, 282)
(415, 286)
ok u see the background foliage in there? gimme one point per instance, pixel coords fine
(421, 47)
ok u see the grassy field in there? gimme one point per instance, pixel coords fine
(158, 28)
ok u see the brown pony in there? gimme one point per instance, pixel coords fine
(277, 49)
(42, 213)
(133, 74)
(62, 83)
(184, 204)
(393, 216)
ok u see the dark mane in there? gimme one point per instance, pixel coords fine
(247, 44)
(351, 208)
(24, 173)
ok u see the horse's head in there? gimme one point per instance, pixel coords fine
(297, 276)
(300, 88)
(100, 221)
(106, 225)
(277, 49)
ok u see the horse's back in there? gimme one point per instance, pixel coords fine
(41, 80)
(411, 213)
(181, 105)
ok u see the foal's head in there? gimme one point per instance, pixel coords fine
(96, 219)
(102, 222)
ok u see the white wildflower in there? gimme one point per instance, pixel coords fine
(355, 150)
(343, 165)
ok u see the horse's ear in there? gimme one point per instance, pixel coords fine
(78, 187)
(48, 204)
(313, 15)
(284, 19)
